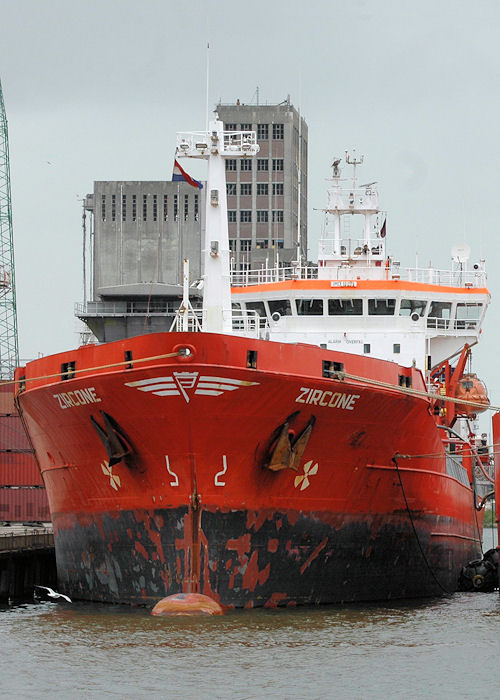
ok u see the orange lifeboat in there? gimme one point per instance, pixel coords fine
(470, 388)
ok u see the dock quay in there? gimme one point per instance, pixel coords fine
(27, 557)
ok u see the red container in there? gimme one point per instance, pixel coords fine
(19, 469)
(24, 504)
(7, 398)
(12, 435)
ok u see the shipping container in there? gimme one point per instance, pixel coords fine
(24, 504)
(19, 469)
(7, 398)
(12, 435)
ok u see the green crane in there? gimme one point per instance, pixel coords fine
(9, 352)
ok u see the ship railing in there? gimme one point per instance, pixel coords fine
(200, 143)
(348, 248)
(445, 324)
(343, 272)
(249, 323)
(129, 308)
(455, 469)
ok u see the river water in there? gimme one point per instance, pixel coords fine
(439, 648)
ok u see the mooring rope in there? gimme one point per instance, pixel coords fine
(415, 531)
(94, 369)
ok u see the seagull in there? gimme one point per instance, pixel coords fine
(54, 594)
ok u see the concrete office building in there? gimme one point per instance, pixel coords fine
(140, 232)
(263, 193)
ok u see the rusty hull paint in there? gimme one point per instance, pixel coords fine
(283, 559)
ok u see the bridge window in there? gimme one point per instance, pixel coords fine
(468, 315)
(280, 306)
(381, 307)
(412, 306)
(257, 306)
(439, 314)
(310, 307)
(345, 307)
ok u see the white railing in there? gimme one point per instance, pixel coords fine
(128, 308)
(351, 248)
(449, 278)
(202, 143)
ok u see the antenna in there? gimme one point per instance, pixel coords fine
(208, 75)
(354, 161)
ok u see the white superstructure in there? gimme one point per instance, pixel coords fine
(360, 300)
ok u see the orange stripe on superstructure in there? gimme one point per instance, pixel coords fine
(391, 285)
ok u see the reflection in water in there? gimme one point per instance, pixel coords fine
(446, 648)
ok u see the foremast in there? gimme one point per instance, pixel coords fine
(216, 146)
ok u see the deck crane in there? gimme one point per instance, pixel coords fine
(9, 351)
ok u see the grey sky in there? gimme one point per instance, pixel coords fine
(97, 89)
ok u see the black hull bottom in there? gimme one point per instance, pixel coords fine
(247, 559)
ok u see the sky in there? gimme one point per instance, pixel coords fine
(97, 90)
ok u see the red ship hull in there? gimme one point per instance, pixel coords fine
(369, 512)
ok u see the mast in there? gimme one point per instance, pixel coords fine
(217, 146)
(9, 352)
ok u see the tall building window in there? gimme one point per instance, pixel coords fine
(231, 127)
(277, 188)
(165, 207)
(155, 207)
(103, 207)
(278, 216)
(231, 164)
(278, 243)
(186, 207)
(262, 216)
(230, 188)
(245, 216)
(262, 132)
(246, 127)
(231, 216)
(196, 208)
(261, 243)
(232, 244)
(245, 244)
(144, 207)
(277, 164)
(113, 207)
(246, 188)
(262, 188)
(176, 207)
(262, 164)
(246, 164)
(278, 131)
(124, 207)
(134, 207)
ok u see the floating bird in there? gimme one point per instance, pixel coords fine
(54, 594)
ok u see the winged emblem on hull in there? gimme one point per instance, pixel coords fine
(186, 384)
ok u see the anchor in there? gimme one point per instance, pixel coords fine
(112, 437)
(287, 452)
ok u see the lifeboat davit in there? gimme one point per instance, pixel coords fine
(470, 388)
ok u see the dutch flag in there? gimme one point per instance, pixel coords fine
(180, 175)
